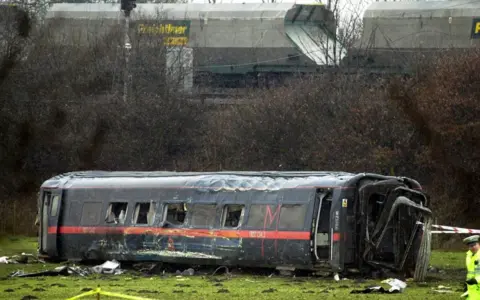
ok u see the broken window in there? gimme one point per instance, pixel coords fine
(233, 215)
(292, 216)
(262, 216)
(144, 213)
(175, 213)
(54, 206)
(203, 215)
(116, 212)
(91, 213)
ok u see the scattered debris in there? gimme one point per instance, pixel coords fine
(442, 289)
(4, 260)
(63, 270)
(23, 258)
(108, 267)
(396, 286)
(187, 272)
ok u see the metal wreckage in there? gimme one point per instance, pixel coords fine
(332, 222)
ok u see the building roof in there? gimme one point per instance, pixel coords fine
(190, 11)
(426, 9)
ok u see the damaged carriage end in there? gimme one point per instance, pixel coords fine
(390, 212)
(318, 221)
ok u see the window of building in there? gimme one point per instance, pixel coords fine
(233, 215)
(116, 212)
(54, 206)
(292, 216)
(144, 213)
(262, 216)
(91, 213)
(203, 215)
(175, 213)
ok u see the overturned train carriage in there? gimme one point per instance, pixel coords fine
(317, 221)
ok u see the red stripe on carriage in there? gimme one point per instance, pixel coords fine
(186, 232)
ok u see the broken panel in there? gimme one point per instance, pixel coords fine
(144, 213)
(116, 212)
(233, 215)
(175, 213)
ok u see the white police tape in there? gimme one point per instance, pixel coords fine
(451, 229)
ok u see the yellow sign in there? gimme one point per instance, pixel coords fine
(175, 33)
(476, 29)
(344, 202)
(175, 41)
(162, 29)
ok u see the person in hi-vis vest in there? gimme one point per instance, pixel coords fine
(472, 283)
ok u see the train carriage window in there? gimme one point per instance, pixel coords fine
(233, 215)
(91, 213)
(54, 206)
(116, 212)
(144, 213)
(262, 216)
(175, 213)
(292, 216)
(203, 215)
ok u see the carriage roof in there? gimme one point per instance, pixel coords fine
(217, 181)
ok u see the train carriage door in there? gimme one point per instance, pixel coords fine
(50, 221)
(53, 222)
(322, 225)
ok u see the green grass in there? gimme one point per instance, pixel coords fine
(218, 287)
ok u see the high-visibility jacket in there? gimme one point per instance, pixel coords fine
(473, 271)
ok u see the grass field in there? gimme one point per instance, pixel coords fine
(172, 287)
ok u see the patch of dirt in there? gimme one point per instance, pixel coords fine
(270, 290)
(9, 291)
(58, 284)
(147, 292)
(223, 291)
(86, 290)
(182, 285)
(29, 297)
(38, 290)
